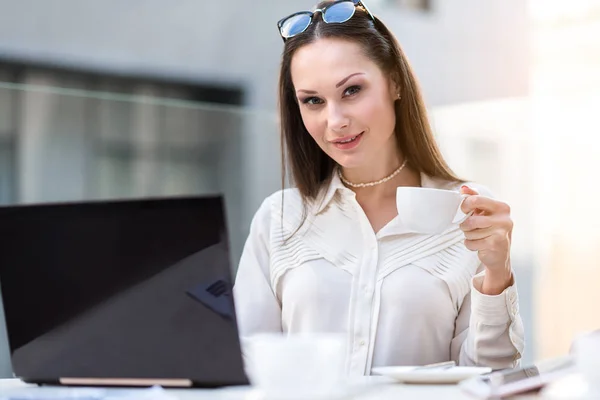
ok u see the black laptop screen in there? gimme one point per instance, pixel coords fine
(133, 289)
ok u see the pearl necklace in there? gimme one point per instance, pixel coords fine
(368, 184)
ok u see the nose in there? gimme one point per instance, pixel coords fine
(337, 120)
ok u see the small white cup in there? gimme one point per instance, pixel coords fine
(296, 366)
(586, 347)
(429, 210)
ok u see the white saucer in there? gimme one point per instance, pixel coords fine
(415, 375)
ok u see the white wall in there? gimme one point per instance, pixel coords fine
(463, 50)
(466, 50)
(230, 42)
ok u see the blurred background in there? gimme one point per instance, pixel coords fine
(117, 99)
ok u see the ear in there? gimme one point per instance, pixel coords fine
(395, 91)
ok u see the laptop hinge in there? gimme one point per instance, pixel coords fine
(126, 382)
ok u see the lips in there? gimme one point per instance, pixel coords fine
(347, 143)
(346, 139)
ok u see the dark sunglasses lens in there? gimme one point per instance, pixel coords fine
(295, 25)
(340, 12)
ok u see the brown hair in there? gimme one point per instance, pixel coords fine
(311, 168)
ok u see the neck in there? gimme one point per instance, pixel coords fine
(405, 177)
(374, 172)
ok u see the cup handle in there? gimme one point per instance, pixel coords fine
(461, 216)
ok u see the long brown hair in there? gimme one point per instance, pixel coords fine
(311, 168)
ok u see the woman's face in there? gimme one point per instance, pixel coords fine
(346, 102)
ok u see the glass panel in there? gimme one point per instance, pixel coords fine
(83, 145)
(76, 144)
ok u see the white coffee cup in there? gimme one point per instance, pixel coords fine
(429, 210)
(587, 357)
(299, 366)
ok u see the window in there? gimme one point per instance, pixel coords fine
(138, 140)
(8, 121)
(419, 5)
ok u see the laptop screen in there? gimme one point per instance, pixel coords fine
(120, 289)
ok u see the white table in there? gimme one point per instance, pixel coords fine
(381, 392)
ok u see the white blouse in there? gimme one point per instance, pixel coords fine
(401, 297)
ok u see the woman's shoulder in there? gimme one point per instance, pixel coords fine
(282, 209)
(289, 197)
(282, 201)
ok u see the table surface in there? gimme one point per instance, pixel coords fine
(381, 391)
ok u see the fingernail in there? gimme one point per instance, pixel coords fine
(464, 187)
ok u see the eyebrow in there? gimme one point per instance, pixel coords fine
(340, 83)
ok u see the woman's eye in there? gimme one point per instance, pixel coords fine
(312, 100)
(352, 90)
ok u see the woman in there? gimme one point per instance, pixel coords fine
(332, 254)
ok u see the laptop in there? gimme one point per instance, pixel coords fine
(127, 292)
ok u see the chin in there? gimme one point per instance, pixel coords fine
(349, 162)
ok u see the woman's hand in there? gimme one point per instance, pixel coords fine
(489, 231)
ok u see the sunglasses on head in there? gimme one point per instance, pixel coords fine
(336, 12)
